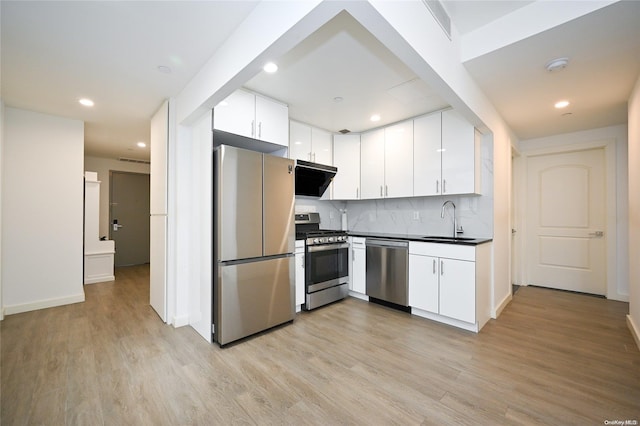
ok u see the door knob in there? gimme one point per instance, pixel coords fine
(597, 234)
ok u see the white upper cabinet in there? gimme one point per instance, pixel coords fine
(322, 144)
(446, 155)
(247, 114)
(236, 114)
(346, 157)
(372, 164)
(427, 146)
(310, 143)
(299, 141)
(460, 150)
(398, 160)
(272, 121)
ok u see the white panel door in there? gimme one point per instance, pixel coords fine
(299, 141)
(398, 159)
(272, 121)
(566, 216)
(236, 114)
(458, 154)
(346, 157)
(159, 138)
(458, 289)
(372, 164)
(158, 265)
(427, 147)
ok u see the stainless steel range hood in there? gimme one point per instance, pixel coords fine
(313, 179)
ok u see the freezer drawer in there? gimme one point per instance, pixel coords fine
(252, 297)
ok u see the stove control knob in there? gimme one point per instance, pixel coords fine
(316, 241)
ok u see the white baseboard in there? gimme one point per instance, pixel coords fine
(635, 331)
(180, 321)
(495, 313)
(475, 327)
(99, 279)
(358, 295)
(43, 304)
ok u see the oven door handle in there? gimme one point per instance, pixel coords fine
(327, 247)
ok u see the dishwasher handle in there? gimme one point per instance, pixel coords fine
(372, 242)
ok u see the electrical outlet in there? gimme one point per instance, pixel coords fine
(416, 215)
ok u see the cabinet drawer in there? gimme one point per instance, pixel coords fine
(451, 251)
(358, 242)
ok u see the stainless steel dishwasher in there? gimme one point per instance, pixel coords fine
(388, 270)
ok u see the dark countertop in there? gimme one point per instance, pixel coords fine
(466, 241)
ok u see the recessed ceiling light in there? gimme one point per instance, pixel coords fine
(375, 117)
(561, 104)
(270, 67)
(557, 64)
(86, 102)
(164, 69)
(141, 144)
(338, 99)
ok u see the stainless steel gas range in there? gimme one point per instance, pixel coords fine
(326, 261)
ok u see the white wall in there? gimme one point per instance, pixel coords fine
(618, 287)
(407, 29)
(103, 166)
(634, 212)
(42, 208)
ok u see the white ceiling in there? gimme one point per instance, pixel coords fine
(342, 59)
(55, 52)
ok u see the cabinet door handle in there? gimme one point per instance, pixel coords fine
(253, 128)
(310, 157)
(357, 192)
(444, 186)
(434, 266)
(386, 191)
(314, 157)
(437, 186)
(260, 130)
(381, 190)
(441, 267)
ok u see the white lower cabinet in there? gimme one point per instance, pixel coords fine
(450, 283)
(357, 280)
(458, 289)
(299, 255)
(424, 283)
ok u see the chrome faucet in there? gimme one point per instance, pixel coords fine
(455, 223)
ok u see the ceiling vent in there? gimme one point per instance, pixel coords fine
(134, 160)
(438, 12)
(344, 131)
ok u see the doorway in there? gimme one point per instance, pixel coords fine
(566, 212)
(129, 217)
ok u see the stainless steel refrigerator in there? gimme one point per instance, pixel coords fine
(253, 236)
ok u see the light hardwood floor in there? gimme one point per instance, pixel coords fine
(551, 358)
